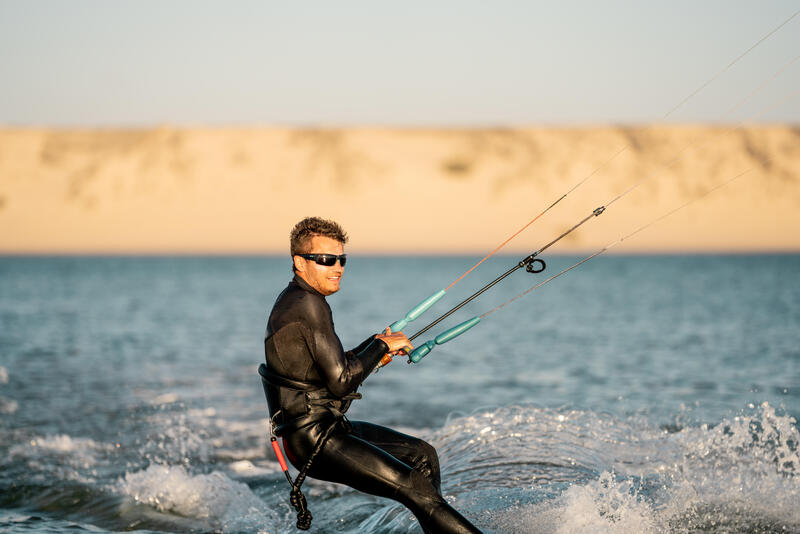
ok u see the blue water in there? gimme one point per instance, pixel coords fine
(633, 394)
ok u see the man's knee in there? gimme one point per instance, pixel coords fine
(428, 463)
(431, 456)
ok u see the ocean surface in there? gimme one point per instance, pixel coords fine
(635, 394)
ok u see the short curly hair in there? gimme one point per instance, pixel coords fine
(300, 237)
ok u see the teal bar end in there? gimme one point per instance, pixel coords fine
(421, 351)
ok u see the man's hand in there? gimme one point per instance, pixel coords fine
(398, 344)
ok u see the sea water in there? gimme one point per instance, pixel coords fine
(635, 394)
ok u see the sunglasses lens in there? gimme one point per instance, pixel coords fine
(326, 260)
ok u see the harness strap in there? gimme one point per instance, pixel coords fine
(274, 379)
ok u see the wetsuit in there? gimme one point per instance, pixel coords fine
(311, 382)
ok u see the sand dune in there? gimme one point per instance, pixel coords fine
(240, 190)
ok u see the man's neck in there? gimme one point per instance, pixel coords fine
(305, 285)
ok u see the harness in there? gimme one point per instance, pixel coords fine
(319, 406)
(319, 402)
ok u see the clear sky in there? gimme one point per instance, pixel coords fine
(410, 63)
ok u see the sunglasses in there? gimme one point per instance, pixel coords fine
(326, 260)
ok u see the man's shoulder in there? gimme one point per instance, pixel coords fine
(295, 304)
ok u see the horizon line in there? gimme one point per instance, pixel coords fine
(378, 254)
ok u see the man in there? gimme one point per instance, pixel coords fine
(310, 381)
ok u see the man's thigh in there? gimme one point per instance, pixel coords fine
(414, 452)
(349, 459)
(402, 446)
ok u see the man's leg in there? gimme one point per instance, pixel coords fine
(351, 460)
(413, 451)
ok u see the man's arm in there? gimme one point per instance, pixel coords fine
(352, 352)
(343, 375)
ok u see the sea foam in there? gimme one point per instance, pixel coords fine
(568, 471)
(215, 499)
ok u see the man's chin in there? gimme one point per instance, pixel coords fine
(331, 288)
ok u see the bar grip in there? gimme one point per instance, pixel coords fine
(422, 350)
(416, 311)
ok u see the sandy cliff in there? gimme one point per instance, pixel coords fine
(396, 190)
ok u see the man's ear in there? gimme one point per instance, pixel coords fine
(299, 263)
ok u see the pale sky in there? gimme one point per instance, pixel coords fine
(410, 63)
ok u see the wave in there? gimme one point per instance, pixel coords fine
(61, 457)
(515, 469)
(214, 499)
(570, 471)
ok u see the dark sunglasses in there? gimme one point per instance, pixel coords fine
(326, 260)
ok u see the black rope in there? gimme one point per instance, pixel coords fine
(296, 496)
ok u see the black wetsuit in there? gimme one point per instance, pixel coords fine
(313, 382)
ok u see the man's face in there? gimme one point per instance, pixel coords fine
(323, 279)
